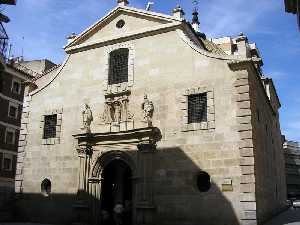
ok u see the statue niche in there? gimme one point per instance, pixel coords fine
(116, 110)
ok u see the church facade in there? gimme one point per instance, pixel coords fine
(149, 122)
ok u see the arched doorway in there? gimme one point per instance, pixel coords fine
(116, 193)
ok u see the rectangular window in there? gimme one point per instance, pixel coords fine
(9, 136)
(50, 122)
(1, 85)
(118, 66)
(16, 87)
(7, 162)
(13, 111)
(197, 108)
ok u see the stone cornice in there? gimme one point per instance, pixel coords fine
(124, 37)
(119, 9)
(146, 135)
(241, 64)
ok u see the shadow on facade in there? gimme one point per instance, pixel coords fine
(165, 191)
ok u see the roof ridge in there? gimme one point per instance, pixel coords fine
(46, 72)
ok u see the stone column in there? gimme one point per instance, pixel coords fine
(144, 204)
(95, 203)
(85, 156)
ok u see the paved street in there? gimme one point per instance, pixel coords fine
(289, 217)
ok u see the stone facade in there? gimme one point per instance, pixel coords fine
(176, 172)
(292, 166)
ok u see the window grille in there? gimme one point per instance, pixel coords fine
(197, 108)
(50, 126)
(118, 66)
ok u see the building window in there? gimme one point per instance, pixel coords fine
(197, 108)
(13, 110)
(46, 187)
(7, 162)
(10, 136)
(50, 122)
(203, 181)
(1, 85)
(16, 87)
(118, 66)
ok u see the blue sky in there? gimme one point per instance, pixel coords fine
(44, 24)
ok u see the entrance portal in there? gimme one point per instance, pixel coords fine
(116, 194)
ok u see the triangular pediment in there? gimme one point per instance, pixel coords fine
(135, 20)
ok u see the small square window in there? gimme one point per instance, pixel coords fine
(13, 111)
(197, 108)
(50, 122)
(16, 87)
(10, 137)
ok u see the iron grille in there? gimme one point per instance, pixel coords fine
(50, 126)
(197, 108)
(118, 66)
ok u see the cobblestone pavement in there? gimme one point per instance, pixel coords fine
(288, 217)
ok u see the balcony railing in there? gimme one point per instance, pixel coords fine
(3, 41)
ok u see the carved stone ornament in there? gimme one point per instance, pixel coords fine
(87, 118)
(116, 110)
(148, 109)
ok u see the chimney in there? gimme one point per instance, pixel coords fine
(243, 45)
(195, 21)
(178, 13)
(123, 2)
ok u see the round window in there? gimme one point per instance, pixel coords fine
(203, 181)
(120, 24)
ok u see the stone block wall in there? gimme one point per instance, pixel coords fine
(269, 159)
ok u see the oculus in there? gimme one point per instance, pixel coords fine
(120, 24)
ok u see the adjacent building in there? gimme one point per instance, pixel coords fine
(293, 6)
(292, 165)
(147, 121)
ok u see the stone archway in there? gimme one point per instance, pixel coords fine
(116, 193)
(112, 184)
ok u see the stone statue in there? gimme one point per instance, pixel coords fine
(148, 110)
(124, 102)
(87, 118)
(108, 113)
(118, 111)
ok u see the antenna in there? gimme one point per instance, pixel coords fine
(22, 54)
(149, 6)
(9, 51)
